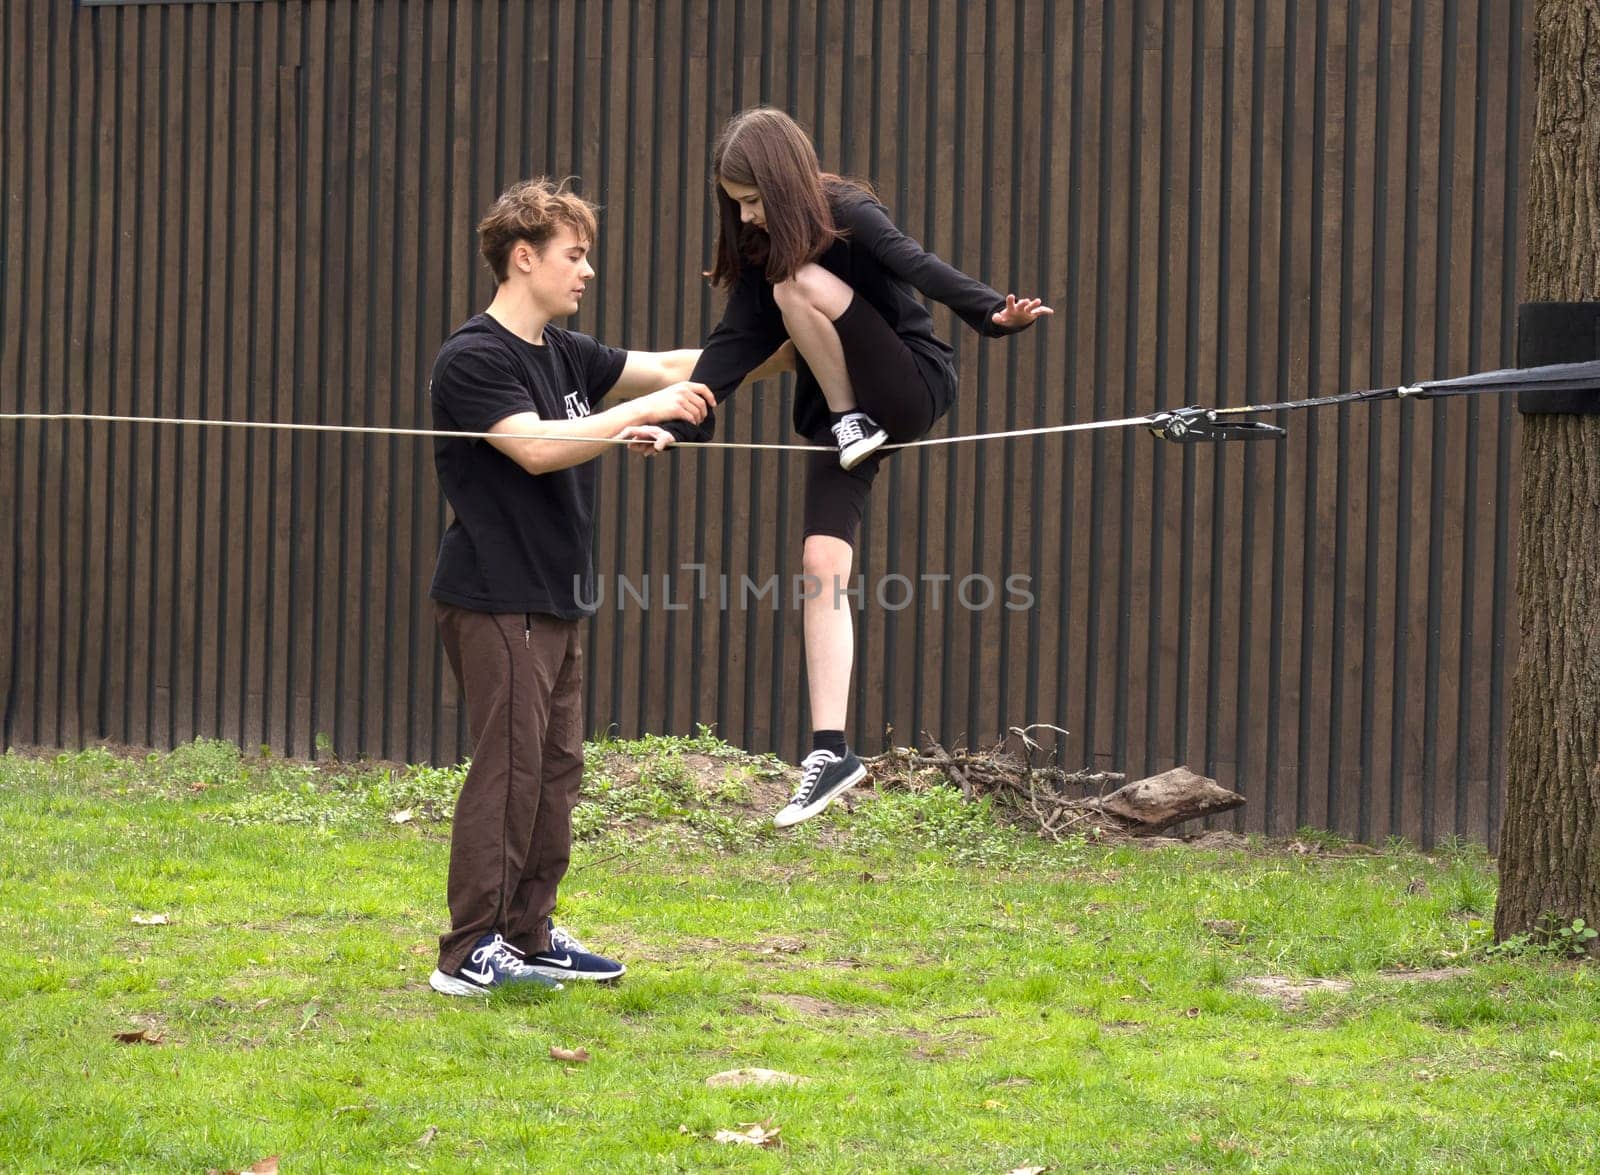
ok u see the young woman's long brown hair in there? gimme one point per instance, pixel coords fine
(765, 149)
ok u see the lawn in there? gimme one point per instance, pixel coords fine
(956, 994)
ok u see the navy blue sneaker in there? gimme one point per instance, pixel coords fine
(567, 958)
(824, 777)
(493, 963)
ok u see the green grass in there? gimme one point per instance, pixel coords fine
(961, 996)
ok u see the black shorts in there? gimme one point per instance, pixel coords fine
(891, 388)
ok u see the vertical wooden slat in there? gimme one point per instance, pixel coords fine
(208, 634)
(10, 385)
(193, 592)
(430, 235)
(259, 128)
(25, 152)
(1165, 70)
(165, 389)
(1143, 613)
(94, 347)
(398, 360)
(72, 44)
(348, 683)
(655, 549)
(1505, 637)
(327, 397)
(1322, 179)
(1278, 334)
(925, 622)
(54, 444)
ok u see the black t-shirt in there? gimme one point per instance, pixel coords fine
(519, 542)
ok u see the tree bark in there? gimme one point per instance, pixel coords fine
(1550, 839)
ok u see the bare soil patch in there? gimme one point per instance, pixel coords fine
(804, 1004)
(1290, 993)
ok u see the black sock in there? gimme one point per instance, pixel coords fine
(829, 740)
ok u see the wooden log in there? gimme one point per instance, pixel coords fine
(1150, 805)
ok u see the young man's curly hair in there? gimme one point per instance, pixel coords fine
(531, 211)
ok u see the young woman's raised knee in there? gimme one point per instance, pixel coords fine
(812, 287)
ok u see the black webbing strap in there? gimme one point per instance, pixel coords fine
(1213, 424)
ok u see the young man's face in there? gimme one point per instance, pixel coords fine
(748, 199)
(556, 277)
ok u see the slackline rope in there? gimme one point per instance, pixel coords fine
(1127, 422)
(1183, 425)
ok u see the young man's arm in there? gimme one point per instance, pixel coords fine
(645, 371)
(559, 444)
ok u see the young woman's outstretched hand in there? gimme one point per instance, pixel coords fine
(1020, 312)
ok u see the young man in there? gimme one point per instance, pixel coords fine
(513, 565)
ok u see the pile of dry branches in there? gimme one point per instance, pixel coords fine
(1024, 780)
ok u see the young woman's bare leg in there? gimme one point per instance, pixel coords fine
(830, 770)
(829, 630)
(810, 301)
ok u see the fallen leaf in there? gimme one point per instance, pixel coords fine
(782, 946)
(557, 1053)
(991, 1104)
(753, 1134)
(1193, 1013)
(1010, 1081)
(267, 1166)
(1028, 1171)
(143, 1036)
(428, 1136)
(682, 1129)
(403, 816)
(198, 785)
(151, 920)
(741, 1077)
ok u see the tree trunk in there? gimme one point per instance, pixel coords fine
(1550, 841)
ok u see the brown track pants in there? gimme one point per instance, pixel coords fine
(522, 680)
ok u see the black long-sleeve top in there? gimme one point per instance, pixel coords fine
(882, 265)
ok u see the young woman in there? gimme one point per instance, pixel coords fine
(812, 259)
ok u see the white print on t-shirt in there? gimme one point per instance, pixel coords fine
(577, 406)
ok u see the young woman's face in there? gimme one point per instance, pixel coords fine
(749, 201)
